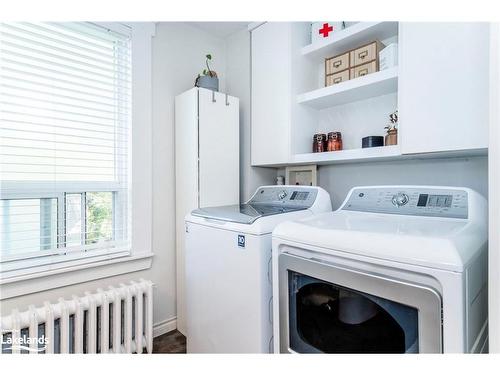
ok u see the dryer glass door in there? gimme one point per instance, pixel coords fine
(328, 309)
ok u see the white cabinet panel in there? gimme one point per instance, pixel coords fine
(271, 94)
(219, 149)
(186, 183)
(443, 86)
(206, 165)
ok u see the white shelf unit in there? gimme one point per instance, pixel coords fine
(289, 104)
(375, 84)
(357, 108)
(351, 37)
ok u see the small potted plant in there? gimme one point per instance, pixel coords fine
(208, 78)
(392, 130)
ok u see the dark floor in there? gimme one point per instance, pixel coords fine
(170, 343)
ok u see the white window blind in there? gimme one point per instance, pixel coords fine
(65, 102)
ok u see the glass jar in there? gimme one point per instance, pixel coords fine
(319, 142)
(334, 141)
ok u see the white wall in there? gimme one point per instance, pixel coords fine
(467, 172)
(238, 84)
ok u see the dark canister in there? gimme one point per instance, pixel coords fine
(319, 142)
(372, 141)
(334, 141)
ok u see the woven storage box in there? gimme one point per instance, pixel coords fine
(365, 54)
(342, 76)
(337, 64)
(357, 62)
(363, 70)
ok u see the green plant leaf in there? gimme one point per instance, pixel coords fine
(205, 72)
(209, 56)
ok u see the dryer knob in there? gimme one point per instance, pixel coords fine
(282, 195)
(400, 199)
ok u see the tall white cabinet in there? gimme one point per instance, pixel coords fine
(206, 164)
(271, 96)
(279, 73)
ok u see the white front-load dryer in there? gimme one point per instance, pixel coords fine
(228, 268)
(396, 269)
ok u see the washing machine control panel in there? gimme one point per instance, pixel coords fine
(290, 196)
(434, 202)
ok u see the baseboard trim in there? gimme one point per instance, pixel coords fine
(165, 326)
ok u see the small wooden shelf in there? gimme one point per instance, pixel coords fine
(345, 156)
(351, 37)
(371, 85)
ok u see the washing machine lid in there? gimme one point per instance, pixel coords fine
(268, 201)
(243, 213)
(425, 241)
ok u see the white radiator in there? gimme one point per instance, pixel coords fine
(116, 320)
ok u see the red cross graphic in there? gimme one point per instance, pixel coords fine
(325, 30)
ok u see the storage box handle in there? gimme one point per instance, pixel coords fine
(337, 80)
(363, 54)
(337, 63)
(363, 72)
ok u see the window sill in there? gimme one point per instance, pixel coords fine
(36, 282)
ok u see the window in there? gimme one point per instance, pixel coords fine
(65, 135)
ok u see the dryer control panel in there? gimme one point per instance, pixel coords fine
(417, 201)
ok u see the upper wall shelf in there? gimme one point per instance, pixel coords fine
(371, 85)
(361, 154)
(351, 37)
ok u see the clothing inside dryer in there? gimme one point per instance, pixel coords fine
(327, 318)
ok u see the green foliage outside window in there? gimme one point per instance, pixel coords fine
(99, 217)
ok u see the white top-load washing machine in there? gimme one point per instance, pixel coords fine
(397, 269)
(228, 265)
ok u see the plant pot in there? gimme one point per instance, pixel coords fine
(391, 138)
(207, 82)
